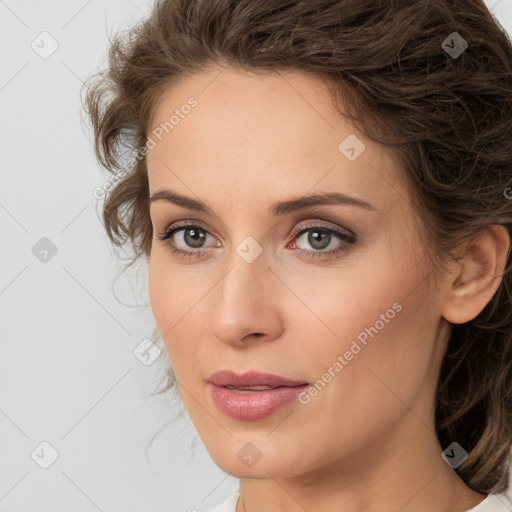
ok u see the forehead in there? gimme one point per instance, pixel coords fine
(275, 131)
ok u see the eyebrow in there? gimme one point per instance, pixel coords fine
(277, 208)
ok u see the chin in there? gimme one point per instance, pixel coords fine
(246, 459)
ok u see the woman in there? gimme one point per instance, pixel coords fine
(323, 192)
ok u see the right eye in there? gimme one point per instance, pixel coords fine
(186, 236)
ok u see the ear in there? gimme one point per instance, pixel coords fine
(477, 275)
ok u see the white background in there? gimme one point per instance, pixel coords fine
(68, 373)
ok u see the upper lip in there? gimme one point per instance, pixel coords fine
(252, 378)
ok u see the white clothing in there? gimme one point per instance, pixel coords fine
(494, 503)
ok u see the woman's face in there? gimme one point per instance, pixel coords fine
(266, 285)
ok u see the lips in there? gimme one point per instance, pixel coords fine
(253, 395)
(226, 378)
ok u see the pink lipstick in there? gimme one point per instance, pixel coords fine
(252, 395)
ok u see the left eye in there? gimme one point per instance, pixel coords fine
(320, 238)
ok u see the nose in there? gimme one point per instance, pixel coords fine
(245, 303)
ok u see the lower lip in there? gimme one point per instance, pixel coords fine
(255, 405)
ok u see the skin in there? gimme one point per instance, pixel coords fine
(367, 441)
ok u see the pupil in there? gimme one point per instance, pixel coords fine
(194, 237)
(315, 239)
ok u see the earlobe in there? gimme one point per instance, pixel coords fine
(476, 278)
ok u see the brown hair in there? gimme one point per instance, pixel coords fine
(446, 116)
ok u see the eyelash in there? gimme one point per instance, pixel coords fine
(348, 239)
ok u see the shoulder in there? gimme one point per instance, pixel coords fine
(494, 503)
(229, 505)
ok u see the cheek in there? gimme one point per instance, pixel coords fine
(374, 317)
(160, 293)
(384, 361)
(178, 303)
(168, 299)
(348, 300)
